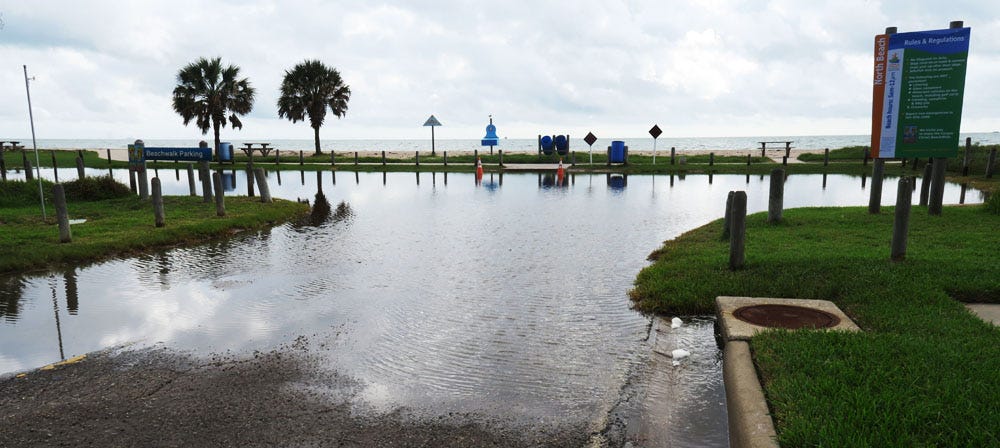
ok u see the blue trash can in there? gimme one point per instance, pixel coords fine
(225, 152)
(562, 144)
(546, 142)
(617, 152)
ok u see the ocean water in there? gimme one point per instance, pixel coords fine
(510, 145)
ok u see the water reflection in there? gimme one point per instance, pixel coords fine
(457, 298)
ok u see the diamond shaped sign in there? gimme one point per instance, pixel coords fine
(432, 121)
(655, 131)
(590, 139)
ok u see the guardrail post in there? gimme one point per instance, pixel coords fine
(901, 223)
(62, 215)
(737, 231)
(776, 196)
(220, 201)
(158, 203)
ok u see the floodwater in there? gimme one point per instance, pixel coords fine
(505, 299)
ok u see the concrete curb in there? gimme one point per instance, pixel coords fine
(750, 422)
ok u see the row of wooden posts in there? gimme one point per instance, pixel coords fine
(139, 184)
(734, 223)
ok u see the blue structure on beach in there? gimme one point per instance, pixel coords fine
(491, 138)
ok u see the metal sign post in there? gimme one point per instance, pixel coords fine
(34, 144)
(590, 139)
(655, 132)
(432, 122)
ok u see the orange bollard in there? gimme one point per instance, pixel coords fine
(560, 173)
(479, 170)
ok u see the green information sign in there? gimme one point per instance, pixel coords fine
(918, 90)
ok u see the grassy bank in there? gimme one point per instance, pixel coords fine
(116, 225)
(924, 373)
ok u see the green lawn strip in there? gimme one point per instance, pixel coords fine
(126, 225)
(924, 373)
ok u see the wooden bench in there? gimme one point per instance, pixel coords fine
(788, 147)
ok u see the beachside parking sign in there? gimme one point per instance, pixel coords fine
(918, 90)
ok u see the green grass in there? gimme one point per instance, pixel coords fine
(924, 373)
(118, 225)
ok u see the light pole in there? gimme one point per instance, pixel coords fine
(34, 144)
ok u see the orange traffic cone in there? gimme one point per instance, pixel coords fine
(479, 169)
(560, 173)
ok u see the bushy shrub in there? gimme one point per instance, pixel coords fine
(20, 193)
(95, 189)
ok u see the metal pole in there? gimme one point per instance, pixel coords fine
(654, 150)
(38, 163)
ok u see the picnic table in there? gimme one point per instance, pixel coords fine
(248, 149)
(788, 147)
(13, 145)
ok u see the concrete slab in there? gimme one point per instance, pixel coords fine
(990, 312)
(734, 329)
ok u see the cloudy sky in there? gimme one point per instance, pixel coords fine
(106, 69)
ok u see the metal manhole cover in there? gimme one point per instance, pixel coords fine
(786, 316)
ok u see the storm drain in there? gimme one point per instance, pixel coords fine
(786, 316)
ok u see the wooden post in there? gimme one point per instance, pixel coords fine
(206, 181)
(333, 158)
(55, 166)
(191, 187)
(3, 168)
(934, 203)
(572, 159)
(355, 158)
(784, 161)
(220, 201)
(966, 156)
(158, 202)
(925, 183)
(673, 152)
(62, 215)
(737, 231)
(763, 147)
(865, 163)
(302, 160)
(80, 174)
(991, 163)
(776, 197)
(250, 192)
(500, 153)
(131, 181)
(711, 159)
(826, 156)
(475, 155)
(416, 158)
(143, 180)
(383, 158)
(748, 159)
(109, 155)
(788, 149)
(29, 173)
(446, 158)
(901, 224)
(727, 221)
(265, 190)
(277, 156)
(875, 198)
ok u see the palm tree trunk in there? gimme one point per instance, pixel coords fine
(316, 132)
(218, 156)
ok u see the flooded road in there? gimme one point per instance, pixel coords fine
(506, 300)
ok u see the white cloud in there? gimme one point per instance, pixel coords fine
(717, 67)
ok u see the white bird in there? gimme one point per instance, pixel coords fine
(676, 322)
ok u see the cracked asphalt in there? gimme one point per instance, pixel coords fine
(159, 398)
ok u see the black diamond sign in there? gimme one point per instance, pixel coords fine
(655, 131)
(590, 138)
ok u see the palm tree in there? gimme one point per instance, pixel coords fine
(308, 89)
(206, 92)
